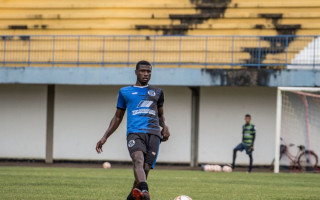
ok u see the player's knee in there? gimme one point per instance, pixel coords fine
(235, 150)
(138, 162)
(137, 159)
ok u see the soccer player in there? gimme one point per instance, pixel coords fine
(248, 137)
(144, 118)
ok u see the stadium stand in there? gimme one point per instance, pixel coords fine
(163, 17)
(307, 55)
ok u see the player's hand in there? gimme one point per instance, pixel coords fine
(251, 148)
(100, 144)
(165, 133)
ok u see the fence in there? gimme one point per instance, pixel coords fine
(163, 51)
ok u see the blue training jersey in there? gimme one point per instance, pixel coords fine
(142, 103)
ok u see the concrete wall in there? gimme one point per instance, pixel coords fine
(23, 121)
(83, 113)
(177, 110)
(222, 111)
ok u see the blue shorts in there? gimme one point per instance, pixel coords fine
(242, 147)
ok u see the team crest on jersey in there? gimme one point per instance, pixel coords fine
(131, 143)
(152, 93)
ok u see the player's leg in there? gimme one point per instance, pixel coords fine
(137, 149)
(239, 147)
(249, 153)
(234, 157)
(250, 163)
(138, 166)
(152, 143)
(141, 192)
(147, 168)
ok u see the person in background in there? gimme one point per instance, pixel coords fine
(248, 137)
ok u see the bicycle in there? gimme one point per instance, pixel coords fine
(304, 160)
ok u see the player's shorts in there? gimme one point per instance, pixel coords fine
(242, 147)
(147, 143)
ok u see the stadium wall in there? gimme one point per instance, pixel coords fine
(82, 114)
(222, 111)
(23, 121)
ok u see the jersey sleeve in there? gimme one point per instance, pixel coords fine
(253, 134)
(121, 104)
(160, 100)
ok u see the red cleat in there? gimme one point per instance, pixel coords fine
(140, 195)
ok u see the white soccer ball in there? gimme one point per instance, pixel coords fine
(209, 167)
(226, 168)
(216, 168)
(183, 197)
(206, 168)
(106, 165)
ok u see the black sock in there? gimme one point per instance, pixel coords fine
(234, 158)
(250, 163)
(143, 186)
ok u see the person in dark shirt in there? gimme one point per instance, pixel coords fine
(145, 116)
(248, 137)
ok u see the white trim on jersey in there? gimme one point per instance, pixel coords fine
(140, 86)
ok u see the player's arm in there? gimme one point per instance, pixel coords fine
(253, 134)
(253, 138)
(165, 129)
(114, 124)
(242, 133)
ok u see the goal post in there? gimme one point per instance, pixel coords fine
(297, 120)
(278, 132)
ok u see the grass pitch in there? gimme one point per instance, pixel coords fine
(84, 183)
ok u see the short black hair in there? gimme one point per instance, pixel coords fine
(142, 62)
(248, 115)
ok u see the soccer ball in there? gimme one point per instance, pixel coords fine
(226, 168)
(216, 168)
(106, 165)
(211, 168)
(183, 197)
(206, 168)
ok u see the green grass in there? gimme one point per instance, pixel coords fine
(83, 183)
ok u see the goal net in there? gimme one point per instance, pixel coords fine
(298, 129)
